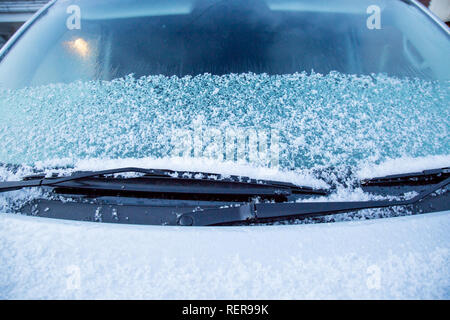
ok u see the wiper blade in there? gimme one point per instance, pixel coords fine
(210, 213)
(163, 182)
(415, 178)
(260, 212)
(42, 180)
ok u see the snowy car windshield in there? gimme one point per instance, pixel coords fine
(289, 84)
(104, 40)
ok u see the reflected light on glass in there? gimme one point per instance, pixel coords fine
(80, 46)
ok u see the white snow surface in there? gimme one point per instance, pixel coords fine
(398, 258)
(403, 165)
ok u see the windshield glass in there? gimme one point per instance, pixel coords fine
(275, 83)
(88, 40)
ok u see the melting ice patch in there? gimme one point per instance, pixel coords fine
(307, 120)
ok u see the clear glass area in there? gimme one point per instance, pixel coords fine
(104, 40)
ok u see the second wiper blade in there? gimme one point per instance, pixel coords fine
(260, 212)
(415, 178)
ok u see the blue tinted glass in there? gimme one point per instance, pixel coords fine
(88, 40)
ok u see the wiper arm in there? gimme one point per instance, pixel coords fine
(260, 212)
(213, 213)
(163, 182)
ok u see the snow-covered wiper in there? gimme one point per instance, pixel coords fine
(434, 180)
(162, 183)
(162, 197)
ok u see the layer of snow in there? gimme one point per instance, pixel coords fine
(299, 120)
(407, 257)
(314, 121)
(403, 165)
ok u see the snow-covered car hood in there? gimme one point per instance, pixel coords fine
(398, 258)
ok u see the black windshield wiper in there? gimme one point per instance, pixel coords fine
(211, 212)
(261, 212)
(416, 178)
(162, 183)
